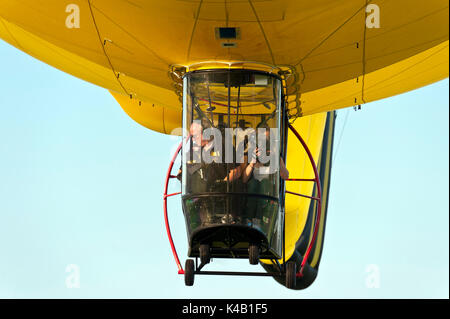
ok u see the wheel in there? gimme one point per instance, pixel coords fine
(291, 274)
(205, 256)
(189, 270)
(253, 254)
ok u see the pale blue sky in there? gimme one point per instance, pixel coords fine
(81, 183)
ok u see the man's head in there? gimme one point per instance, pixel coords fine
(196, 131)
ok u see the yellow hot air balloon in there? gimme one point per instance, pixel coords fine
(237, 67)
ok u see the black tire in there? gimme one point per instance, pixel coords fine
(189, 272)
(253, 254)
(205, 255)
(291, 274)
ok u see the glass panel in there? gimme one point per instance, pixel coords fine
(231, 156)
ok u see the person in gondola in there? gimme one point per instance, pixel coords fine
(260, 180)
(207, 177)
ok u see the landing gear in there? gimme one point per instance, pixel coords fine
(253, 254)
(291, 272)
(205, 255)
(189, 272)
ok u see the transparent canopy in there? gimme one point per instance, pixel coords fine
(231, 156)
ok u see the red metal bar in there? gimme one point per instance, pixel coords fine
(301, 195)
(166, 217)
(319, 200)
(173, 194)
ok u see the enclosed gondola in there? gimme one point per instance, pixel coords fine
(233, 171)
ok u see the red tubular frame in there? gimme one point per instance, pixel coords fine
(318, 198)
(166, 217)
(316, 180)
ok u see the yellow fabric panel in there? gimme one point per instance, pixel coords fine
(311, 128)
(46, 20)
(325, 41)
(424, 68)
(155, 117)
(56, 57)
(89, 71)
(325, 189)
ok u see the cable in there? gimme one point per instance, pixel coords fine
(364, 57)
(193, 29)
(262, 31)
(331, 34)
(104, 50)
(342, 134)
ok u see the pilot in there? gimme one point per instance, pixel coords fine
(206, 178)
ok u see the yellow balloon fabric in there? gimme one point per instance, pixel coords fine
(339, 53)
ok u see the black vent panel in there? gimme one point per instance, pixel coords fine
(227, 33)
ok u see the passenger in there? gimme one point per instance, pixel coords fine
(254, 163)
(260, 182)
